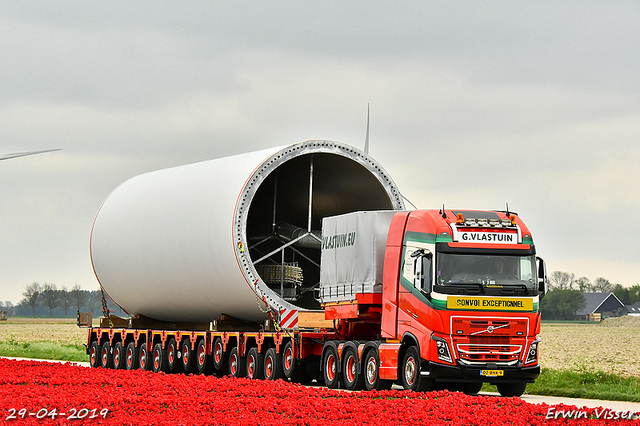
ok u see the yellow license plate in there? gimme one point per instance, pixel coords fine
(492, 373)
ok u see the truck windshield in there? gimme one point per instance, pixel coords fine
(456, 269)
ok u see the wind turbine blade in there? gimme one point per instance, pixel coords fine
(22, 154)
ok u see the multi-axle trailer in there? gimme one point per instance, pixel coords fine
(301, 263)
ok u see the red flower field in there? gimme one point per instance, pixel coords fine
(33, 392)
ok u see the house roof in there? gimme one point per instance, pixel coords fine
(595, 301)
(633, 309)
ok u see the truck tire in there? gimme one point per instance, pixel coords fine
(159, 362)
(94, 354)
(203, 361)
(188, 364)
(470, 388)
(371, 371)
(273, 365)
(352, 376)
(237, 367)
(105, 355)
(410, 371)
(511, 389)
(292, 370)
(131, 356)
(144, 359)
(219, 357)
(330, 372)
(118, 356)
(255, 364)
(174, 363)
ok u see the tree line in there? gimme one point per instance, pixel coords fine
(566, 298)
(48, 299)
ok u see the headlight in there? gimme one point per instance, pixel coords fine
(443, 349)
(532, 354)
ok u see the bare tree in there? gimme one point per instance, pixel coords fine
(561, 280)
(602, 285)
(50, 297)
(66, 300)
(80, 296)
(8, 306)
(583, 284)
(30, 296)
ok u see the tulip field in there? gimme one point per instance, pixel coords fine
(42, 393)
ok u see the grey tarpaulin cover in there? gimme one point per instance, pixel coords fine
(353, 247)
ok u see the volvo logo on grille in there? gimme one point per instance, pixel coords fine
(489, 329)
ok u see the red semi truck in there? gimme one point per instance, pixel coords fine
(426, 299)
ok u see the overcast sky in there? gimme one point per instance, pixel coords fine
(473, 105)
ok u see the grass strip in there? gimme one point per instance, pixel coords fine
(44, 350)
(583, 384)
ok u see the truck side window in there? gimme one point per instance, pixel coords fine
(422, 270)
(427, 275)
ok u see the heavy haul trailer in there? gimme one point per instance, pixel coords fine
(426, 299)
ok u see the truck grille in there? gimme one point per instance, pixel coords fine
(482, 340)
(484, 353)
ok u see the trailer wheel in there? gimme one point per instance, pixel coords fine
(511, 389)
(143, 357)
(174, 363)
(94, 354)
(203, 361)
(410, 374)
(255, 364)
(131, 356)
(236, 364)
(372, 379)
(330, 367)
(105, 355)
(292, 370)
(188, 364)
(273, 365)
(219, 356)
(351, 372)
(118, 356)
(159, 359)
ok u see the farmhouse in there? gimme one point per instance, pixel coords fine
(633, 310)
(601, 305)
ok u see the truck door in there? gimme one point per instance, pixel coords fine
(415, 285)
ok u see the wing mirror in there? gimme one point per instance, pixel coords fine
(543, 282)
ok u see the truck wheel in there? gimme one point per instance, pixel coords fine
(94, 354)
(330, 368)
(292, 370)
(351, 372)
(511, 389)
(143, 357)
(273, 365)
(188, 364)
(410, 373)
(219, 356)
(470, 388)
(203, 361)
(159, 359)
(174, 363)
(131, 356)
(236, 364)
(255, 367)
(118, 356)
(372, 379)
(105, 355)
